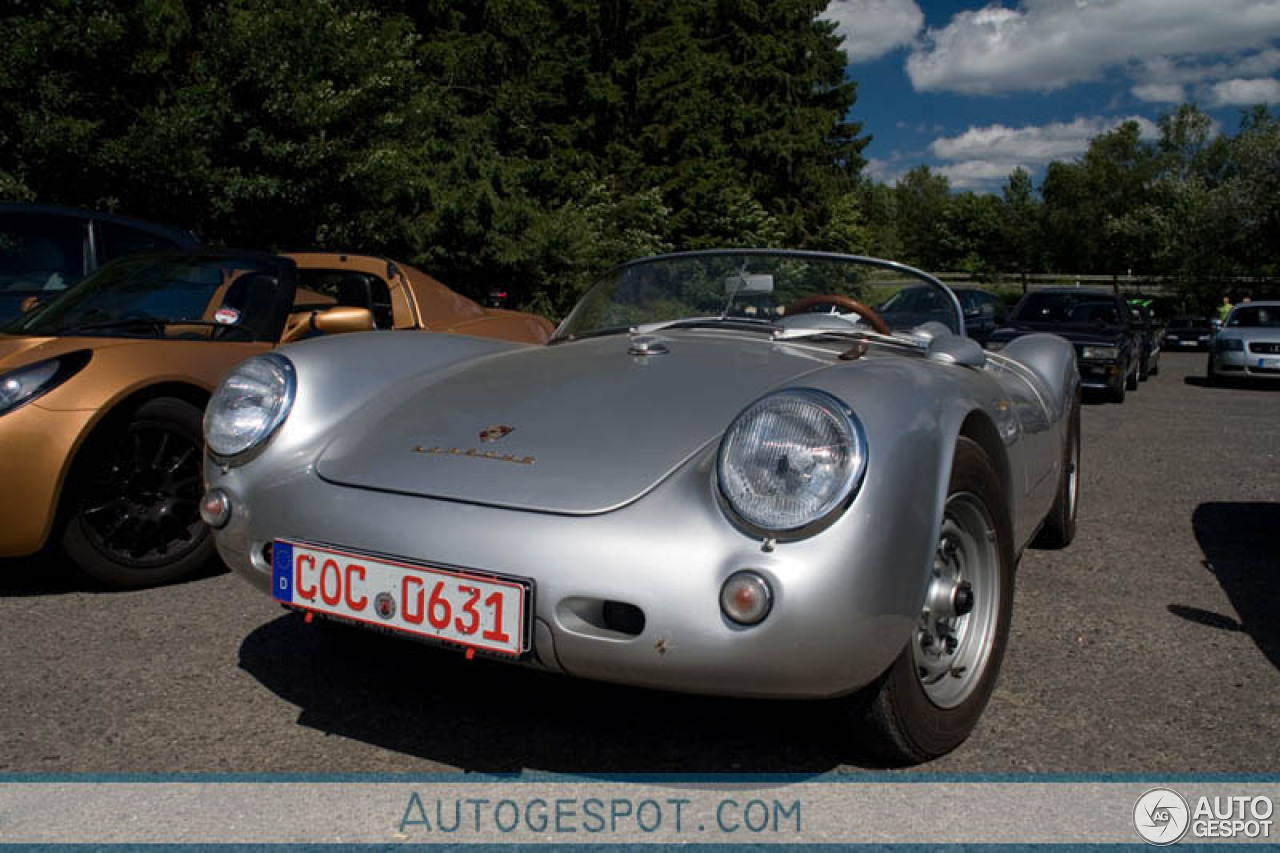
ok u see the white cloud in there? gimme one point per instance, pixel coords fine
(872, 28)
(1243, 93)
(982, 158)
(979, 174)
(1035, 144)
(1044, 45)
(885, 171)
(1160, 93)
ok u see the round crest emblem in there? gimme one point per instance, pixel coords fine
(385, 605)
(494, 433)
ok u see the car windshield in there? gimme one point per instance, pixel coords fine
(233, 298)
(1083, 309)
(754, 288)
(1255, 317)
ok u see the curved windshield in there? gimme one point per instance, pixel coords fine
(234, 298)
(1255, 317)
(759, 289)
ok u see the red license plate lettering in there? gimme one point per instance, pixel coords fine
(454, 606)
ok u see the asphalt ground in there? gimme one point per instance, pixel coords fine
(1151, 645)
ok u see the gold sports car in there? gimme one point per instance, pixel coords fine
(102, 389)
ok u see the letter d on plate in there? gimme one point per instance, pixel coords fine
(282, 571)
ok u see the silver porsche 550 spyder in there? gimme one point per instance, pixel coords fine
(724, 474)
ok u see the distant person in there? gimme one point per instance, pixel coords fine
(1224, 309)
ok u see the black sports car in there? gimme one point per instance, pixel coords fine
(1188, 332)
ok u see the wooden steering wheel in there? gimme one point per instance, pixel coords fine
(848, 303)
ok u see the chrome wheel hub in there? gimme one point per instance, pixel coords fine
(956, 632)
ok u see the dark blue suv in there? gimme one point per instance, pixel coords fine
(45, 248)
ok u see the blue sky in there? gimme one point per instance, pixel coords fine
(975, 89)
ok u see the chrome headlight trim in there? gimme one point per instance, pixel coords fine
(269, 404)
(747, 439)
(1100, 352)
(24, 384)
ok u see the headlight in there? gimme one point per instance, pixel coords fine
(996, 346)
(1228, 344)
(27, 383)
(790, 459)
(249, 405)
(1100, 353)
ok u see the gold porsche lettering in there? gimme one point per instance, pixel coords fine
(476, 454)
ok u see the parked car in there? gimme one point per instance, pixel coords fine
(912, 306)
(44, 249)
(698, 485)
(1248, 347)
(1188, 332)
(1150, 338)
(1098, 324)
(102, 389)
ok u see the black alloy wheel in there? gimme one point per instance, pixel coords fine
(136, 519)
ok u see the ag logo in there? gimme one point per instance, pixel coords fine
(1161, 816)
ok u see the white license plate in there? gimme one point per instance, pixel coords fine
(477, 611)
(1272, 363)
(1187, 343)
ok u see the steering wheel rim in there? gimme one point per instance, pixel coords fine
(846, 302)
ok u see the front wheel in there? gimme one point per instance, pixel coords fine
(134, 517)
(930, 699)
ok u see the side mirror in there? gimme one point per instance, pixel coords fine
(29, 303)
(342, 319)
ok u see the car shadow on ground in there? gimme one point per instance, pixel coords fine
(492, 717)
(50, 574)
(1241, 545)
(1229, 384)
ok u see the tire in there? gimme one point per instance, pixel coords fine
(1144, 370)
(920, 709)
(1131, 380)
(1117, 392)
(1155, 366)
(1059, 527)
(133, 514)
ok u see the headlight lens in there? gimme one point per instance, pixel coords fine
(1101, 353)
(790, 459)
(250, 404)
(27, 383)
(1229, 344)
(996, 346)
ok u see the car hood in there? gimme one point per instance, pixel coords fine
(1075, 334)
(591, 427)
(19, 350)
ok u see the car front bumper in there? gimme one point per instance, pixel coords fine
(1247, 365)
(36, 446)
(845, 602)
(1100, 374)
